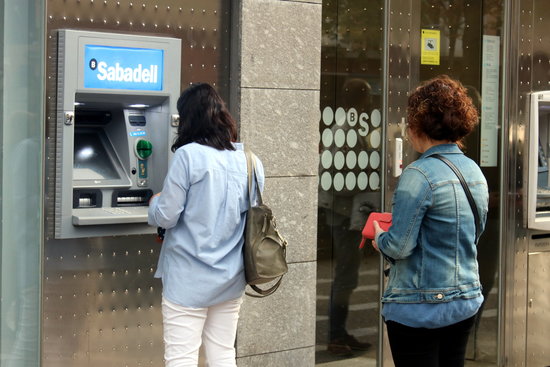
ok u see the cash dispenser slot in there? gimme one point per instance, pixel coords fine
(127, 206)
(125, 198)
(87, 198)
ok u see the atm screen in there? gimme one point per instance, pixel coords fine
(92, 160)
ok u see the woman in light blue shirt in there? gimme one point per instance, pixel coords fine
(203, 207)
(433, 292)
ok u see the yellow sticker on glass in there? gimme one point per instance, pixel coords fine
(430, 47)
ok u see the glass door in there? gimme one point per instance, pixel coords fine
(468, 36)
(350, 181)
(470, 51)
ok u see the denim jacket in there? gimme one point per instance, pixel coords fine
(431, 243)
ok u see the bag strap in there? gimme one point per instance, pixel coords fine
(251, 165)
(264, 292)
(251, 169)
(466, 190)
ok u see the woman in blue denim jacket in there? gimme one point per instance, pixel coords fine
(433, 292)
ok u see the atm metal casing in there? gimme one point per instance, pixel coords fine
(539, 163)
(111, 120)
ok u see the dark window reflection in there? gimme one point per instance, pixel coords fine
(349, 179)
(349, 172)
(91, 161)
(462, 25)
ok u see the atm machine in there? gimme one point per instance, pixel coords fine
(539, 162)
(115, 122)
(538, 218)
(117, 119)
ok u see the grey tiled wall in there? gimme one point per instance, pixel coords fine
(276, 54)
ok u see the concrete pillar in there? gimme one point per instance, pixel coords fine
(275, 81)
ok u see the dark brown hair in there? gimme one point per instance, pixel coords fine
(204, 119)
(441, 110)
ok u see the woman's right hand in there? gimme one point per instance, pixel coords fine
(154, 196)
(377, 231)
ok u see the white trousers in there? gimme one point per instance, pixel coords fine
(186, 328)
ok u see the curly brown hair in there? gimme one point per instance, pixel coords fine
(441, 110)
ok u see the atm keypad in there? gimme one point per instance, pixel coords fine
(116, 211)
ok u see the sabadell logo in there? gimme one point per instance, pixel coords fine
(118, 73)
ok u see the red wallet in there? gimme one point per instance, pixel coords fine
(383, 219)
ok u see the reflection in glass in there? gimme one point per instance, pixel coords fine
(462, 26)
(348, 278)
(22, 80)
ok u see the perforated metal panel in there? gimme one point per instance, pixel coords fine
(402, 24)
(101, 304)
(535, 76)
(516, 233)
(402, 76)
(541, 46)
(203, 26)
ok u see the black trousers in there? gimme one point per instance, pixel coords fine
(420, 347)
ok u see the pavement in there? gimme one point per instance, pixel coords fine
(364, 315)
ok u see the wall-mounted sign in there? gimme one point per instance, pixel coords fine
(430, 47)
(107, 67)
(489, 100)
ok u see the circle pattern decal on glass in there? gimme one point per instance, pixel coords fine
(326, 138)
(374, 181)
(350, 181)
(362, 181)
(351, 139)
(339, 160)
(338, 181)
(326, 181)
(350, 157)
(363, 159)
(340, 116)
(374, 139)
(375, 118)
(375, 160)
(326, 159)
(328, 116)
(339, 138)
(351, 160)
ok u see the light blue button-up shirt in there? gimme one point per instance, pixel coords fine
(203, 207)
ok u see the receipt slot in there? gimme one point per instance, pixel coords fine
(539, 162)
(116, 121)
